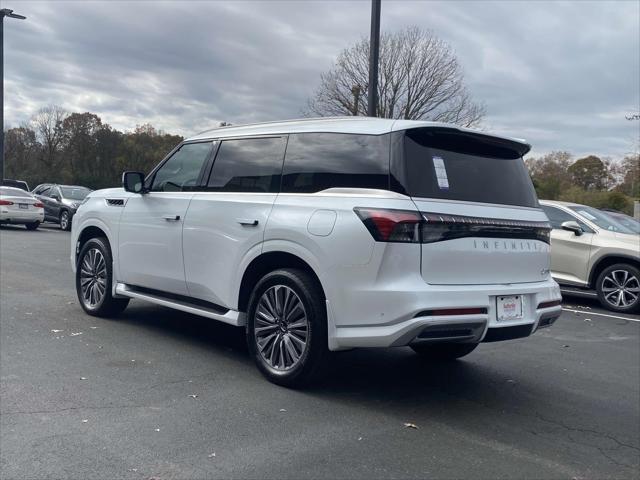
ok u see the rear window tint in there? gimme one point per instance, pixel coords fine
(441, 167)
(317, 161)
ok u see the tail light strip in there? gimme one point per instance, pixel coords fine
(405, 226)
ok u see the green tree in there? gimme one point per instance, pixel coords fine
(549, 174)
(589, 173)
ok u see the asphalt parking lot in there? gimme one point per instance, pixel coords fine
(158, 393)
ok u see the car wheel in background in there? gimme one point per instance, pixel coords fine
(287, 328)
(443, 351)
(65, 220)
(618, 288)
(32, 226)
(94, 278)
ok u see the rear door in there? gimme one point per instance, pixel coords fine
(483, 224)
(226, 220)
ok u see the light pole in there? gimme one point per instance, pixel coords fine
(374, 53)
(5, 12)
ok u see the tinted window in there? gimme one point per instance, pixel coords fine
(248, 165)
(459, 167)
(557, 217)
(181, 171)
(317, 161)
(45, 191)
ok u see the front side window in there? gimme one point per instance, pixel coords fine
(601, 219)
(248, 165)
(557, 217)
(317, 161)
(455, 166)
(180, 173)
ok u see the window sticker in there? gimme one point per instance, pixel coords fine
(441, 173)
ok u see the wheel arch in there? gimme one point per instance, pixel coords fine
(265, 263)
(607, 261)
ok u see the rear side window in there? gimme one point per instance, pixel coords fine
(461, 167)
(248, 165)
(317, 161)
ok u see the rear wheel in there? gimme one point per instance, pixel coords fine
(443, 351)
(94, 278)
(65, 220)
(618, 288)
(287, 328)
(32, 226)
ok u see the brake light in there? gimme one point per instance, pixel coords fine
(5, 202)
(386, 225)
(38, 205)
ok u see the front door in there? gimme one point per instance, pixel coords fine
(150, 236)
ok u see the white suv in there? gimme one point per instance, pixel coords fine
(327, 234)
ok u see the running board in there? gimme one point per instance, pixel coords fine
(577, 292)
(232, 317)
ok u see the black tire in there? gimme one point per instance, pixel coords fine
(65, 220)
(314, 357)
(443, 351)
(612, 300)
(107, 305)
(32, 226)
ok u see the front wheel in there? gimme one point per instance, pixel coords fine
(32, 226)
(94, 278)
(287, 328)
(618, 288)
(65, 220)
(443, 351)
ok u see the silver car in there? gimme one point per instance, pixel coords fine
(591, 249)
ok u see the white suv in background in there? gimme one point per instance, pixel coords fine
(327, 234)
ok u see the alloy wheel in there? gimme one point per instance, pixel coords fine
(621, 288)
(93, 278)
(64, 220)
(281, 328)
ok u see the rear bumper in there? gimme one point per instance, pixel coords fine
(21, 217)
(407, 325)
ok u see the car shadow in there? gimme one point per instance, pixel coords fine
(396, 376)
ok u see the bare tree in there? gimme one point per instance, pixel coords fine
(419, 79)
(47, 123)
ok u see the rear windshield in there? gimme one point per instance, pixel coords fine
(459, 167)
(14, 192)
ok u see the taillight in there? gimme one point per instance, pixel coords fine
(5, 202)
(386, 225)
(38, 205)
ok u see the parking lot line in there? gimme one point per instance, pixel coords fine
(601, 314)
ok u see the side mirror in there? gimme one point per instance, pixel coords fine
(572, 226)
(133, 182)
(55, 197)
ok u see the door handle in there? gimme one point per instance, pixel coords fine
(247, 223)
(172, 218)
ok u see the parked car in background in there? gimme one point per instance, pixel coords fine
(20, 207)
(21, 184)
(624, 219)
(60, 202)
(305, 233)
(591, 249)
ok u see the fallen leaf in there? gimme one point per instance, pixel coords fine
(133, 469)
(193, 396)
(83, 378)
(76, 334)
(157, 429)
(85, 420)
(565, 346)
(93, 328)
(411, 425)
(56, 331)
(283, 410)
(211, 455)
(28, 313)
(587, 319)
(359, 438)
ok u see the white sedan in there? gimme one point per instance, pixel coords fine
(20, 207)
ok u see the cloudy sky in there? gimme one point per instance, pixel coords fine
(563, 75)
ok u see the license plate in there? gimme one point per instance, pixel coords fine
(509, 308)
(23, 205)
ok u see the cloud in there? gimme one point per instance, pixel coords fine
(561, 74)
